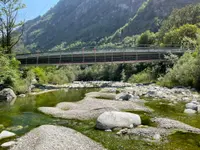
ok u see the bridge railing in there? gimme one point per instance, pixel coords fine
(111, 50)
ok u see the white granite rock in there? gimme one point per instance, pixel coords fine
(6, 134)
(113, 119)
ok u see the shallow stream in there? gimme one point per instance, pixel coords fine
(23, 116)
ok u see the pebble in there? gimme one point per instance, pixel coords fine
(6, 134)
(8, 144)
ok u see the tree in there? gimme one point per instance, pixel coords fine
(123, 75)
(9, 27)
(179, 36)
(146, 39)
(179, 17)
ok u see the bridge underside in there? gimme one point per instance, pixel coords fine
(92, 58)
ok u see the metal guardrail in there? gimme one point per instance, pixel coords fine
(139, 49)
(98, 56)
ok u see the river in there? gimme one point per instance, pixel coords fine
(23, 116)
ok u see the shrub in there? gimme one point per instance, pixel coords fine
(183, 73)
(142, 77)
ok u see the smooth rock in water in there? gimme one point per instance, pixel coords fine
(22, 95)
(49, 137)
(124, 96)
(114, 119)
(8, 144)
(6, 134)
(189, 111)
(191, 106)
(7, 95)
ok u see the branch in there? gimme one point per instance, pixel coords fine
(19, 37)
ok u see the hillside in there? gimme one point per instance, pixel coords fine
(83, 20)
(92, 20)
(149, 17)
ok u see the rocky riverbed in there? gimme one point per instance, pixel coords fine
(118, 117)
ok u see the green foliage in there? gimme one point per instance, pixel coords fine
(9, 10)
(185, 72)
(52, 75)
(130, 41)
(179, 17)
(123, 75)
(10, 74)
(146, 39)
(181, 36)
(40, 74)
(8, 70)
(142, 77)
(21, 86)
(62, 75)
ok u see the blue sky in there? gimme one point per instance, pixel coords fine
(35, 8)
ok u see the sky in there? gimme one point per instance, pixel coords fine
(35, 8)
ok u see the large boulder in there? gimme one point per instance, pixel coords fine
(7, 95)
(49, 137)
(114, 119)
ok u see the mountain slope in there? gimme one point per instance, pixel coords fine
(91, 20)
(149, 17)
(78, 20)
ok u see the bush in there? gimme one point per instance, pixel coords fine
(146, 39)
(8, 70)
(184, 73)
(142, 77)
(40, 75)
(21, 86)
(179, 36)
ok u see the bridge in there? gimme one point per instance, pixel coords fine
(129, 55)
